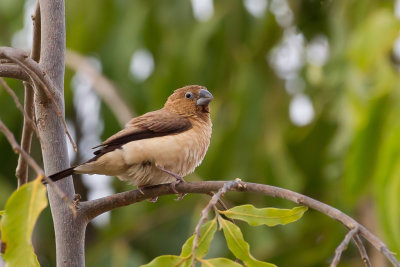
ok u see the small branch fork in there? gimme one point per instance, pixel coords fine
(39, 79)
(204, 213)
(93, 208)
(39, 171)
(343, 246)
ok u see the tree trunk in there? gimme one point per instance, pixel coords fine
(69, 231)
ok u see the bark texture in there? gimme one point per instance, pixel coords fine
(69, 231)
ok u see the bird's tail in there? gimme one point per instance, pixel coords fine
(62, 174)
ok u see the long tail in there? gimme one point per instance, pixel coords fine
(62, 174)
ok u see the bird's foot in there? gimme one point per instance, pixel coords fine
(139, 188)
(153, 199)
(178, 178)
(180, 196)
(174, 184)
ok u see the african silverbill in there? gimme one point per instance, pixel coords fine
(158, 147)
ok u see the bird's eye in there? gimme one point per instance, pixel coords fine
(188, 95)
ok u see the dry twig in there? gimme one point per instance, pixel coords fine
(17, 149)
(19, 106)
(40, 79)
(343, 246)
(204, 213)
(362, 250)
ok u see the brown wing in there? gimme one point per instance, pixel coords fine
(153, 124)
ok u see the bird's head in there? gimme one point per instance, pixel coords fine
(191, 100)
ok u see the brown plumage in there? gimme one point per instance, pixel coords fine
(157, 147)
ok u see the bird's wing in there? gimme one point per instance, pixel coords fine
(153, 124)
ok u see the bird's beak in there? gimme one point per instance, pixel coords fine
(205, 97)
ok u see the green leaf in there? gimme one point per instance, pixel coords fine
(2, 212)
(207, 232)
(239, 247)
(219, 262)
(268, 216)
(19, 217)
(167, 260)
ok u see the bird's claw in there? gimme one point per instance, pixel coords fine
(180, 196)
(139, 188)
(153, 199)
(174, 184)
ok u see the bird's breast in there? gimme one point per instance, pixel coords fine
(180, 153)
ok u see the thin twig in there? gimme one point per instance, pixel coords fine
(204, 214)
(51, 97)
(26, 140)
(39, 78)
(96, 207)
(362, 250)
(19, 106)
(343, 246)
(39, 171)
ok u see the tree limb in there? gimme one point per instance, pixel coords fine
(49, 92)
(69, 230)
(343, 246)
(96, 207)
(362, 250)
(39, 171)
(13, 71)
(26, 140)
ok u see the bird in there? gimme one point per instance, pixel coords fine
(158, 147)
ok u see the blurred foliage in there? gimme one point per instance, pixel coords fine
(348, 156)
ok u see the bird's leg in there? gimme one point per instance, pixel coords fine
(178, 178)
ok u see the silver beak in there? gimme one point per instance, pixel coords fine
(205, 97)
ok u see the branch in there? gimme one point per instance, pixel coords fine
(39, 171)
(343, 246)
(30, 122)
(204, 214)
(362, 250)
(37, 26)
(103, 86)
(13, 71)
(40, 79)
(96, 207)
(69, 230)
(26, 140)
